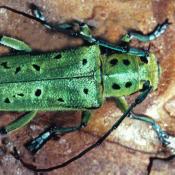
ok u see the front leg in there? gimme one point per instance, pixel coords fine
(162, 135)
(159, 30)
(65, 28)
(84, 33)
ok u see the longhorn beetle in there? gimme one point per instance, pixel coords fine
(75, 79)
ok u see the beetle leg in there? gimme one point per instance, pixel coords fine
(121, 103)
(159, 30)
(65, 28)
(162, 135)
(35, 144)
(84, 33)
(18, 123)
(137, 101)
(15, 44)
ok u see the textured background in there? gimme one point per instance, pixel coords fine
(133, 148)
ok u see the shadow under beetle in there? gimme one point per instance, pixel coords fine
(76, 79)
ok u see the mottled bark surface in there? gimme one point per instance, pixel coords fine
(133, 148)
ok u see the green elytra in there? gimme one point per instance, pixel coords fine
(75, 79)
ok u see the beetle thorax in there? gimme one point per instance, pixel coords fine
(125, 74)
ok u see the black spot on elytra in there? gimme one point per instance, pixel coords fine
(21, 94)
(85, 90)
(38, 92)
(5, 65)
(36, 67)
(126, 62)
(115, 86)
(18, 69)
(113, 62)
(128, 84)
(84, 61)
(7, 100)
(60, 100)
(57, 56)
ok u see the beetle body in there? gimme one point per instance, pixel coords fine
(75, 79)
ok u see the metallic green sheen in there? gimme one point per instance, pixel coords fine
(67, 80)
(74, 79)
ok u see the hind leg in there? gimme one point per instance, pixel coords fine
(35, 144)
(18, 123)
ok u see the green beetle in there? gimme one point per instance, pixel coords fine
(75, 79)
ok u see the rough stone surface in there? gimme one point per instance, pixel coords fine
(133, 148)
